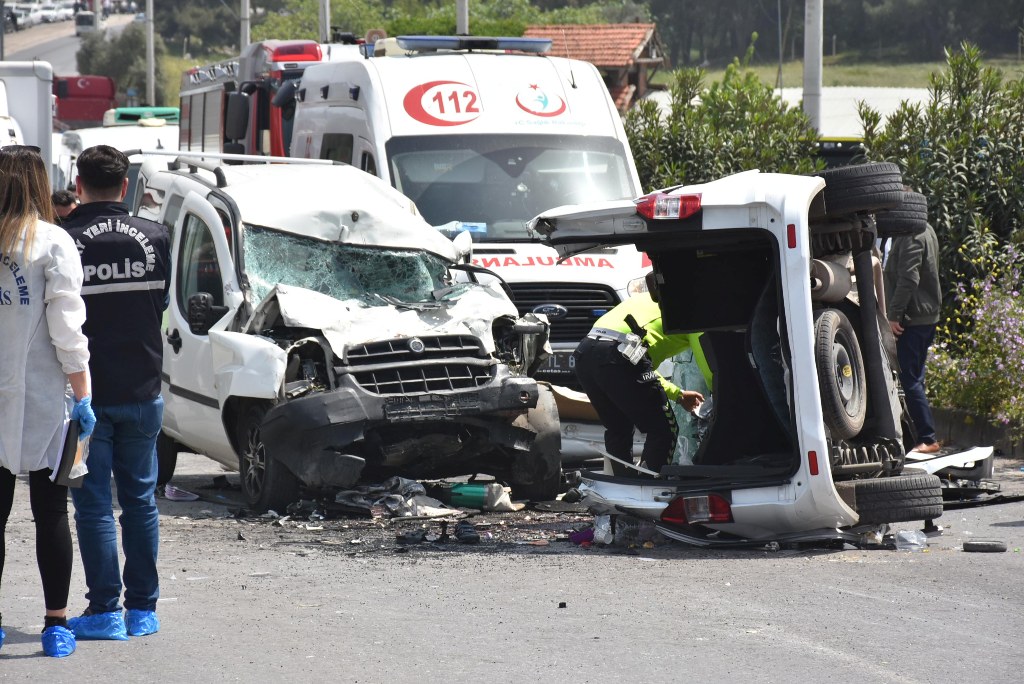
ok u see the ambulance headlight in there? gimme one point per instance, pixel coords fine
(636, 286)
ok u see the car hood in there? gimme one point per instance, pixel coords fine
(469, 309)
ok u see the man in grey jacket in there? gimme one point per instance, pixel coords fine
(913, 298)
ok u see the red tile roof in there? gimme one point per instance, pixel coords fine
(603, 45)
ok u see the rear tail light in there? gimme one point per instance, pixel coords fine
(300, 51)
(660, 205)
(687, 510)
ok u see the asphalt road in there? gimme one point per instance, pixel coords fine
(54, 43)
(250, 600)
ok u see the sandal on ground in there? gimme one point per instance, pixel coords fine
(412, 536)
(466, 533)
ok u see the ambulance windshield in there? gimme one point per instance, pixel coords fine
(494, 184)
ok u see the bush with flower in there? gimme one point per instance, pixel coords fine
(962, 150)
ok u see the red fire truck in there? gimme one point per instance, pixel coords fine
(226, 106)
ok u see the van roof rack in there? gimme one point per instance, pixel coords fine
(213, 161)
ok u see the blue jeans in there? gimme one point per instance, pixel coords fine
(123, 443)
(912, 352)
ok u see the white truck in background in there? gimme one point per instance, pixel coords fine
(484, 134)
(26, 105)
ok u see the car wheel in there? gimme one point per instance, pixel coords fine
(909, 218)
(862, 188)
(903, 498)
(266, 483)
(540, 478)
(840, 374)
(166, 459)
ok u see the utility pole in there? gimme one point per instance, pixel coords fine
(462, 17)
(243, 41)
(812, 60)
(325, 21)
(150, 57)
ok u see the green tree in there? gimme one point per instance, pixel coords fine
(123, 58)
(962, 150)
(708, 132)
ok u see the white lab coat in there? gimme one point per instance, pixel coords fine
(41, 340)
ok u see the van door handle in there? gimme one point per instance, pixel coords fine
(174, 339)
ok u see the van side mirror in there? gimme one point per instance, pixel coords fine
(464, 246)
(236, 116)
(203, 313)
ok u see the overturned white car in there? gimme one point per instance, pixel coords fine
(809, 434)
(317, 335)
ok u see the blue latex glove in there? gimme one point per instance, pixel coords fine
(84, 415)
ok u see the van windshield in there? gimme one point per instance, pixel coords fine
(494, 184)
(365, 276)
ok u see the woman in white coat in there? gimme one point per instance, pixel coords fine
(42, 350)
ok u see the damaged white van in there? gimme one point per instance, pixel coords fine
(808, 435)
(316, 336)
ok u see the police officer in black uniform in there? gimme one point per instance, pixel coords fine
(126, 263)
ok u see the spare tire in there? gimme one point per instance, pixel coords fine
(903, 498)
(909, 218)
(841, 376)
(862, 188)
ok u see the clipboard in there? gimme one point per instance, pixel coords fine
(74, 452)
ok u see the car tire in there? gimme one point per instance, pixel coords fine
(841, 374)
(266, 483)
(909, 218)
(166, 458)
(903, 498)
(862, 188)
(543, 479)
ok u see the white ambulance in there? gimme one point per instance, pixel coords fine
(484, 134)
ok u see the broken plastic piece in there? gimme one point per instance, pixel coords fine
(603, 529)
(174, 494)
(911, 540)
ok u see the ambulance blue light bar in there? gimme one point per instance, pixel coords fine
(425, 43)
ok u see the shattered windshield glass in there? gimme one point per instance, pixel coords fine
(371, 276)
(494, 184)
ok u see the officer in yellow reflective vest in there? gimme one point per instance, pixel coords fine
(616, 365)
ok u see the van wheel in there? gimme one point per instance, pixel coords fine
(909, 218)
(266, 483)
(903, 498)
(840, 374)
(540, 478)
(862, 188)
(166, 458)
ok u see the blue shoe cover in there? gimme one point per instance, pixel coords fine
(58, 642)
(109, 626)
(3, 635)
(141, 622)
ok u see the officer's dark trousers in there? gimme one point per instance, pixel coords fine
(627, 396)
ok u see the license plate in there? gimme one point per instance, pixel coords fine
(430, 406)
(559, 364)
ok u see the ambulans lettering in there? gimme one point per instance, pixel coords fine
(584, 261)
(9, 295)
(443, 103)
(535, 100)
